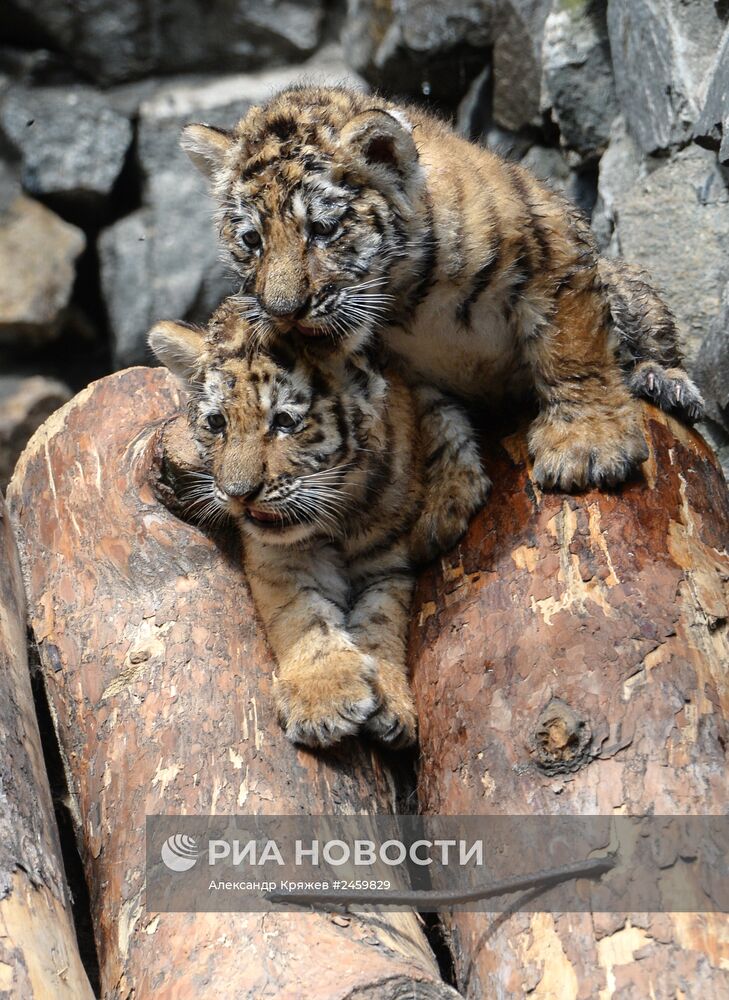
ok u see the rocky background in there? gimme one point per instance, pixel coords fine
(105, 226)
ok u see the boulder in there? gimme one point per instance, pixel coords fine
(420, 48)
(24, 404)
(671, 216)
(711, 369)
(132, 38)
(620, 168)
(551, 165)
(712, 128)
(517, 56)
(38, 253)
(163, 260)
(577, 79)
(71, 142)
(662, 51)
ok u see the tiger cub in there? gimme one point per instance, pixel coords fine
(345, 214)
(342, 479)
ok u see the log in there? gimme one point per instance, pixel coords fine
(39, 955)
(571, 657)
(159, 679)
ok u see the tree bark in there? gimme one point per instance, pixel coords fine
(571, 657)
(159, 679)
(39, 955)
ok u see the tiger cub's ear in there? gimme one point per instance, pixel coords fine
(206, 146)
(178, 346)
(383, 140)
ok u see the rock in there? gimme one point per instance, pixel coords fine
(718, 438)
(72, 143)
(418, 48)
(661, 51)
(163, 260)
(673, 220)
(620, 167)
(550, 165)
(577, 77)
(518, 63)
(24, 404)
(131, 38)
(712, 128)
(38, 253)
(711, 369)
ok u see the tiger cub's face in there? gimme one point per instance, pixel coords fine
(316, 196)
(277, 443)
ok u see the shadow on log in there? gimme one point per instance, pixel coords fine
(573, 657)
(159, 680)
(38, 951)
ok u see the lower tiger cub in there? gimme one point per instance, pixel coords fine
(342, 478)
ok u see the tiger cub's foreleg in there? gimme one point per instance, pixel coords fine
(647, 341)
(588, 432)
(455, 484)
(323, 685)
(378, 624)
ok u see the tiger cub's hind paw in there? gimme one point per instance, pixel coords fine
(668, 388)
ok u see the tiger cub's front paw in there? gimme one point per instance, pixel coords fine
(320, 704)
(394, 722)
(600, 449)
(669, 388)
(444, 522)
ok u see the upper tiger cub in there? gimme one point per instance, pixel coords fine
(342, 479)
(345, 214)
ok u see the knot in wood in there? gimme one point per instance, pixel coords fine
(561, 740)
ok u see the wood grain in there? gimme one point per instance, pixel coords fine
(572, 657)
(159, 678)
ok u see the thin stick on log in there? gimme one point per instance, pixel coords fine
(432, 900)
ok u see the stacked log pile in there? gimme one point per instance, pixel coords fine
(570, 657)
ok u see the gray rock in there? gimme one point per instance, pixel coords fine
(662, 51)
(713, 123)
(577, 78)
(711, 369)
(716, 435)
(517, 58)
(163, 261)
(551, 166)
(419, 48)
(621, 166)
(674, 221)
(24, 404)
(72, 143)
(127, 39)
(38, 254)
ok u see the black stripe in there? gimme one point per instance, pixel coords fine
(479, 284)
(434, 456)
(540, 233)
(379, 473)
(426, 268)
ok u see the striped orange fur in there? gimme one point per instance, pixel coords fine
(348, 216)
(342, 478)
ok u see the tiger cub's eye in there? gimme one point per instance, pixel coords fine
(284, 421)
(252, 239)
(216, 422)
(324, 227)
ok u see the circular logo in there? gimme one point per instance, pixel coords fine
(180, 853)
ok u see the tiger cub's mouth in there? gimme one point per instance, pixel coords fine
(267, 518)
